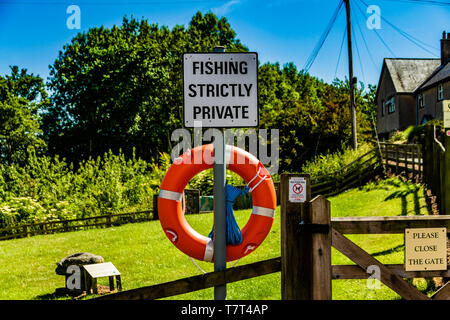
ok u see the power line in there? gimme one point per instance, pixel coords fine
(438, 3)
(340, 52)
(365, 44)
(377, 34)
(404, 33)
(108, 3)
(322, 39)
(359, 57)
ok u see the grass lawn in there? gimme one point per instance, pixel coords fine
(144, 256)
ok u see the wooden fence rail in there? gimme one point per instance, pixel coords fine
(27, 230)
(351, 225)
(353, 174)
(403, 157)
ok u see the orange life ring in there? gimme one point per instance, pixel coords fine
(171, 213)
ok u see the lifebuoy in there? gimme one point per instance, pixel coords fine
(171, 214)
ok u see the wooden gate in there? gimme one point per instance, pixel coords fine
(308, 233)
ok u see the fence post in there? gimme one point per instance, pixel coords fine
(155, 207)
(321, 249)
(295, 254)
(446, 175)
(386, 155)
(396, 159)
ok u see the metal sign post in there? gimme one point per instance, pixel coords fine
(220, 90)
(220, 223)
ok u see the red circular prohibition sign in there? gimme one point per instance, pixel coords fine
(297, 188)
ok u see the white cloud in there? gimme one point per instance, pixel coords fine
(225, 8)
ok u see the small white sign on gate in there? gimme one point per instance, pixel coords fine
(297, 189)
(446, 105)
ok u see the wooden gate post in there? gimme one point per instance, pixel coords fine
(320, 217)
(293, 266)
(305, 245)
(446, 175)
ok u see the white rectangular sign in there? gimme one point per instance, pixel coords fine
(297, 189)
(425, 249)
(446, 106)
(220, 89)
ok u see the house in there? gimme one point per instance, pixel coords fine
(412, 91)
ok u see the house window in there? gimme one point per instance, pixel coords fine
(383, 106)
(390, 105)
(440, 92)
(421, 99)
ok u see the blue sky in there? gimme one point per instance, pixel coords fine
(32, 31)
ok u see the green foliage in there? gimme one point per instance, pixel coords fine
(204, 181)
(151, 258)
(121, 87)
(313, 117)
(21, 95)
(333, 162)
(50, 189)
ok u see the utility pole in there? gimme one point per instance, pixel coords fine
(350, 75)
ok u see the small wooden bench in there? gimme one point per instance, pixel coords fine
(99, 270)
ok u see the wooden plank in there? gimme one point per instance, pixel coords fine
(321, 250)
(47, 227)
(363, 259)
(340, 272)
(446, 177)
(443, 293)
(295, 273)
(111, 283)
(387, 225)
(396, 158)
(198, 282)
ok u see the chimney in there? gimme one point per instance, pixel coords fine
(445, 47)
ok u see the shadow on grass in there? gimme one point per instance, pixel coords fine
(60, 294)
(398, 248)
(407, 188)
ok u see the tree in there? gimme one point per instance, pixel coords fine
(311, 115)
(21, 96)
(121, 88)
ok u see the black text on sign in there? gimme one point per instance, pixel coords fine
(220, 89)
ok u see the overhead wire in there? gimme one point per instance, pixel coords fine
(365, 43)
(439, 3)
(359, 56)
(316, 50)
(406, 35)
(340, 51)
(376, 33)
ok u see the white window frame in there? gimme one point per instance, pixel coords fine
(391, 105)
(440, 92)
(421, 100)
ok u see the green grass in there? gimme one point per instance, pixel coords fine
(144, 256)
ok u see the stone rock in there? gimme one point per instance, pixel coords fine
(78, 259)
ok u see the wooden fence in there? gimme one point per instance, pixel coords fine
(27, 230)
(354, 174)
(406, 158)
(307, 235)
(436, 171)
